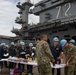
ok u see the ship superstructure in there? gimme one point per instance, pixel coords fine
(57, 18)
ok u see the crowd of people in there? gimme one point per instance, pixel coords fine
(19, 51)
(45, 53)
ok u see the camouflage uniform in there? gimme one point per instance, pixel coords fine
(44, 57)
(71, 69)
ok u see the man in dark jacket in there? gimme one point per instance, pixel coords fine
(12, 53)
(2, 50)
(31, 54)
(22, 53)
(6, 55)
(56, 51)
(2, 53)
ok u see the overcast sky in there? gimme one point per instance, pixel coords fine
(8, 14)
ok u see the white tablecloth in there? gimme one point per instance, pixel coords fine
(33, 63)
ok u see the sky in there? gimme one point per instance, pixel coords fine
(8, 14)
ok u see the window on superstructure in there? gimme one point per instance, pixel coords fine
(38, 34)
(60, 30)
(63, 30)
(66, 36)
(50, 33)
(54, 31)
(53, 1)
(47, 16)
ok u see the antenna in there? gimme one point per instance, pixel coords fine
(33, 1)
(13, 27)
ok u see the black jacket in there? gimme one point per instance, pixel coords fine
(1, 53)
(56, 51)
(20, 51)
(12, 51)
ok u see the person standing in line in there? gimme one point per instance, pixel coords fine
(31, 54)
(2, 53)
(6, 55)
(44, 57)
(12, 53)
(22, 52)
(69, 51)
(56, 50)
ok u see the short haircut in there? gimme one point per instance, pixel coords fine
(43, 35)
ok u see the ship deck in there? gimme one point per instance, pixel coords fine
(5, 71)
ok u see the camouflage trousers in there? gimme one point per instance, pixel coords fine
(71, 70)
(45, 69)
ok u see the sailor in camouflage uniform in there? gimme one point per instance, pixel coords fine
(44, 57)
(70, 57)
